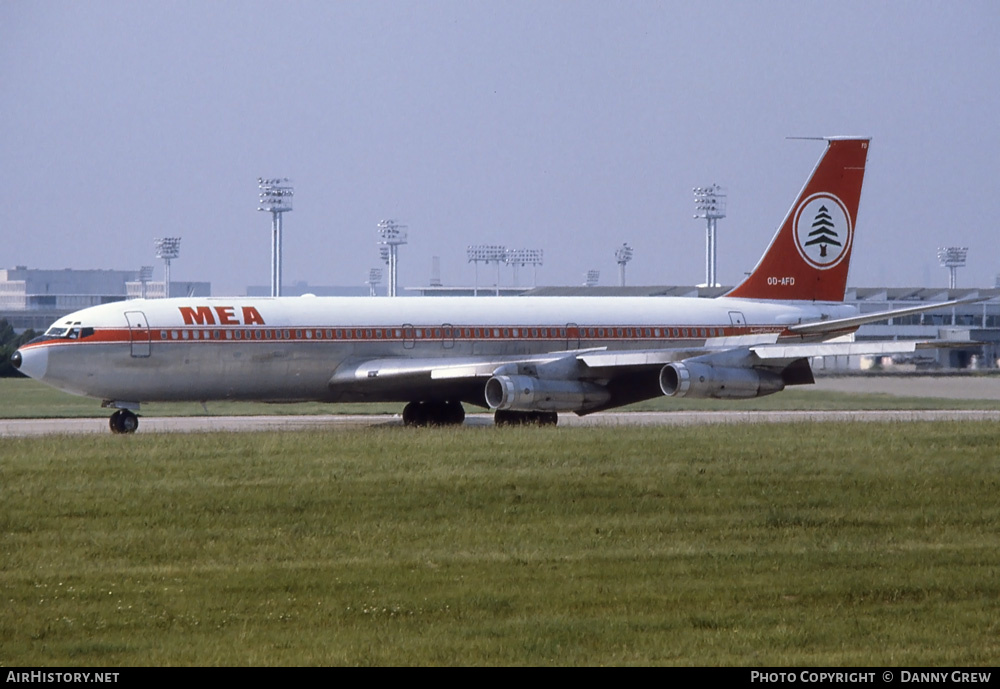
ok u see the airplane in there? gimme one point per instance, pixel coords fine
(526, 358)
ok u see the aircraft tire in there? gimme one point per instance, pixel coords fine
(454, 413)
(506, 417)
(123, 421)
(449, 413)
(414, 414)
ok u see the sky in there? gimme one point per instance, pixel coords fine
(571, 127)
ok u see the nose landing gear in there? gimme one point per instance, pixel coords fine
(123, 421)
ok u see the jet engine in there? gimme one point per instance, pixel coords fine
(527, 393)
(692, 379)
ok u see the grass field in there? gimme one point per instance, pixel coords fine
(818, 544)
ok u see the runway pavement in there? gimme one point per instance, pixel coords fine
(954, 387)
(241, 424)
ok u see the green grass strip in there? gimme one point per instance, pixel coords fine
(778, 545)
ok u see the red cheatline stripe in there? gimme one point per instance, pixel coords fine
(412, 334)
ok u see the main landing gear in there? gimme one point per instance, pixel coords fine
(506, 417)
(449, 413)
(124, 421)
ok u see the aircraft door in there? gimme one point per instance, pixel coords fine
(449, 335)
(572, 336)
(409, 336)
(138, 333)
(736, 318)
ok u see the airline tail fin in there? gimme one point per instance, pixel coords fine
(809, 255)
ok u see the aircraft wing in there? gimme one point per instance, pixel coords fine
(437, 368)
(437, 377)
(847, 324)
(759, 355)
(627, 376)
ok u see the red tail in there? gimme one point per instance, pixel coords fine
(810, 254)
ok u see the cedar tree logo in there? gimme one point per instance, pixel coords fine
(823, 231)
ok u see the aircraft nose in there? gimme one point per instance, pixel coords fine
(32, 362)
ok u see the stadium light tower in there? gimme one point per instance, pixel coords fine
(145, 275)
(485, 253)
(524, 257)
(623, 255)
(952, 258)
(167, 248)
(374, 279)
(593, 277)
(275, 198)
(391, 235)
(711, 205)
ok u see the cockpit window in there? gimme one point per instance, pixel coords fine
(68, 331)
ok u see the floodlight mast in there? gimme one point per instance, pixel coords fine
(952, 258)
(711, 204)
(516, 258)
(486, 253)
(275, 198)
(391, 236)
(623, 255)
(145, 275)
(374, 279)
(167, 248)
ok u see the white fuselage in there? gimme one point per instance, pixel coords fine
(288, 349)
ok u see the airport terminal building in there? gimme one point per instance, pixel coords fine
(34, 298)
